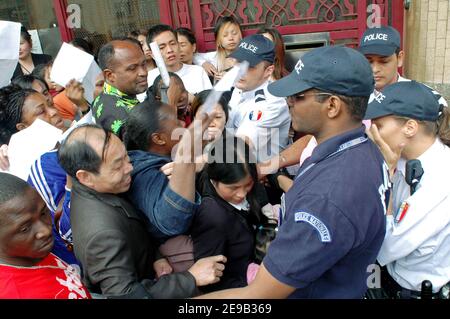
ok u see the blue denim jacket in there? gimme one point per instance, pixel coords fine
(169, 213)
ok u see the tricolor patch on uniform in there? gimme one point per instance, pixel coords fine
(401, 212)
(315, 222)
(255, 115)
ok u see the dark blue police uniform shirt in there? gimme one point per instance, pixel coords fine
(334, 223)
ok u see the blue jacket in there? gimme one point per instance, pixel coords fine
(48, 178)
(169, 214)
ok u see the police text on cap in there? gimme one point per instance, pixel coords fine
(376, 36)
(250, 47)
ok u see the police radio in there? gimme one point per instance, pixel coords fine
(414, 172)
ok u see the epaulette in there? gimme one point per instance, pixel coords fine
(260, 96)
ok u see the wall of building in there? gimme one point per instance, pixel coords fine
(427, 43)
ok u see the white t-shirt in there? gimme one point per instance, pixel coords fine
(194, 78)
(211, 57)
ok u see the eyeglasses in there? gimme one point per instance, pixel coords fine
(302, 96)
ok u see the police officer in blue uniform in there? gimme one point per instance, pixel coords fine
(334, 218)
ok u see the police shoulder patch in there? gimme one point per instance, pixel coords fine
(322, 229)
(260, 96)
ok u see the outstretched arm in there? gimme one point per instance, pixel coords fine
(265, 286)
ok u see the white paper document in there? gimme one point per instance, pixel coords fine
(231, 77)
(160, 63)
(27, 145)
(73, 63)
(225, 84)
(9, 52)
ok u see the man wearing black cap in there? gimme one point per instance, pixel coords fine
(382, 47)
(333, 220)
(255, 113)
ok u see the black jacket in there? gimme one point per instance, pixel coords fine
(220, 228)
(37, 59)
(116, 251)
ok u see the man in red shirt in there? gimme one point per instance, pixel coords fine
(27, 268)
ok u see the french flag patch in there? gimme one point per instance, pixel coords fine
(401, 212)
(255, 115)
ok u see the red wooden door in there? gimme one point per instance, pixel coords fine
(344, 20)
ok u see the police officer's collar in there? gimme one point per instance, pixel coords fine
(427, 158)
(331, 145)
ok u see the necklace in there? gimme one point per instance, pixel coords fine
(24, 69)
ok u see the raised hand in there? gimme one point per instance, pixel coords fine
(391, 153)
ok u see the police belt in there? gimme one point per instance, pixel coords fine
(413, 294)
(394, 290)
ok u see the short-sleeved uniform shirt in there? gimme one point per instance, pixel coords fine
(417, 242)
(261, 117)
(334, 223)
(111, 108)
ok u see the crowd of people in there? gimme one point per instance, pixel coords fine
(292, 186)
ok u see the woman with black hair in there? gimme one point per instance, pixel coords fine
(226, 220)
(19, 108)
(28, 60)
(29, 82)
(151, 132)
